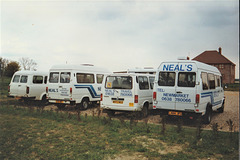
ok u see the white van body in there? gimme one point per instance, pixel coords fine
(127, 92)
(28, 85)
(75, 84)
(187, 87)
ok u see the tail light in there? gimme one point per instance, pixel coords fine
(154, 96)
(197, 98)
(8, 88)
(27, 90)
(71, 90)
(136, 99)
(101, 98)
(46, 89)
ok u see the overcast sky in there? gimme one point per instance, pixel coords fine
(117, 34)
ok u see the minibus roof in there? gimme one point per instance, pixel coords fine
(131, 74)
(199, 65)
(80, 67)
(31, 73)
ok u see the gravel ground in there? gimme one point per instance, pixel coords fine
(231, 111)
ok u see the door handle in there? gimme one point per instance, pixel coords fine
(19, 85)
(60, 86)
(179, 92)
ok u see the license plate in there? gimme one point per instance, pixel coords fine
(175, 113)
(59, 101)
(118, 102)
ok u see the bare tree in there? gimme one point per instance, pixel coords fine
(3, 64)
(28, 64)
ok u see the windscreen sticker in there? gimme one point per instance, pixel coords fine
(109, 84)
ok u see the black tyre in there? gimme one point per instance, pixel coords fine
(85, 103)
(60, 106)
(208, 116)
(110, 113)
(144, 111)
(221, 109)
(44, 100)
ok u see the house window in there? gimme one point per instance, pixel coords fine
(221, 66)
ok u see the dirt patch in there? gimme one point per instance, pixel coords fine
(231, 111)
(157, 145)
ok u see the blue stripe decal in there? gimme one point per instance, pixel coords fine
(90, 89)
(210, 94)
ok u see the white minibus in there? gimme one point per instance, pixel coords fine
(28, 85)
(188, 88)
(127, 92)
(75, 84)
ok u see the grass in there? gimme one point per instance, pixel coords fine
(31, 134)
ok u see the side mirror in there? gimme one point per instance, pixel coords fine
(197, 83)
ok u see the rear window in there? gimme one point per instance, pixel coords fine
(143, 82)
(85, 78)
(166, 79)
(37, 79)
(118, 82)
(23, 79)
(16, 78)
(65, 77)
(54, 76)
(186, 79)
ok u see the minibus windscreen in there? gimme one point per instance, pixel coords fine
(118, 82)
(65, 77)
(186, 79)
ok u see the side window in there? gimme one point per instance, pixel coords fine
(221, 82)
(37, 79)
(54, 76)
(85, 78)
(151, 79)
(217, 81)
(65, 77)
(16, 78)
(45, 80)
(143, 82)
(211, 81)
(100, 78)
(204, 81)
(23, 79)
(186, 79)
(166, 79)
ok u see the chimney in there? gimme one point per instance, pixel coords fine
(220, 50)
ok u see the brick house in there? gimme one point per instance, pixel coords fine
(215, 58)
